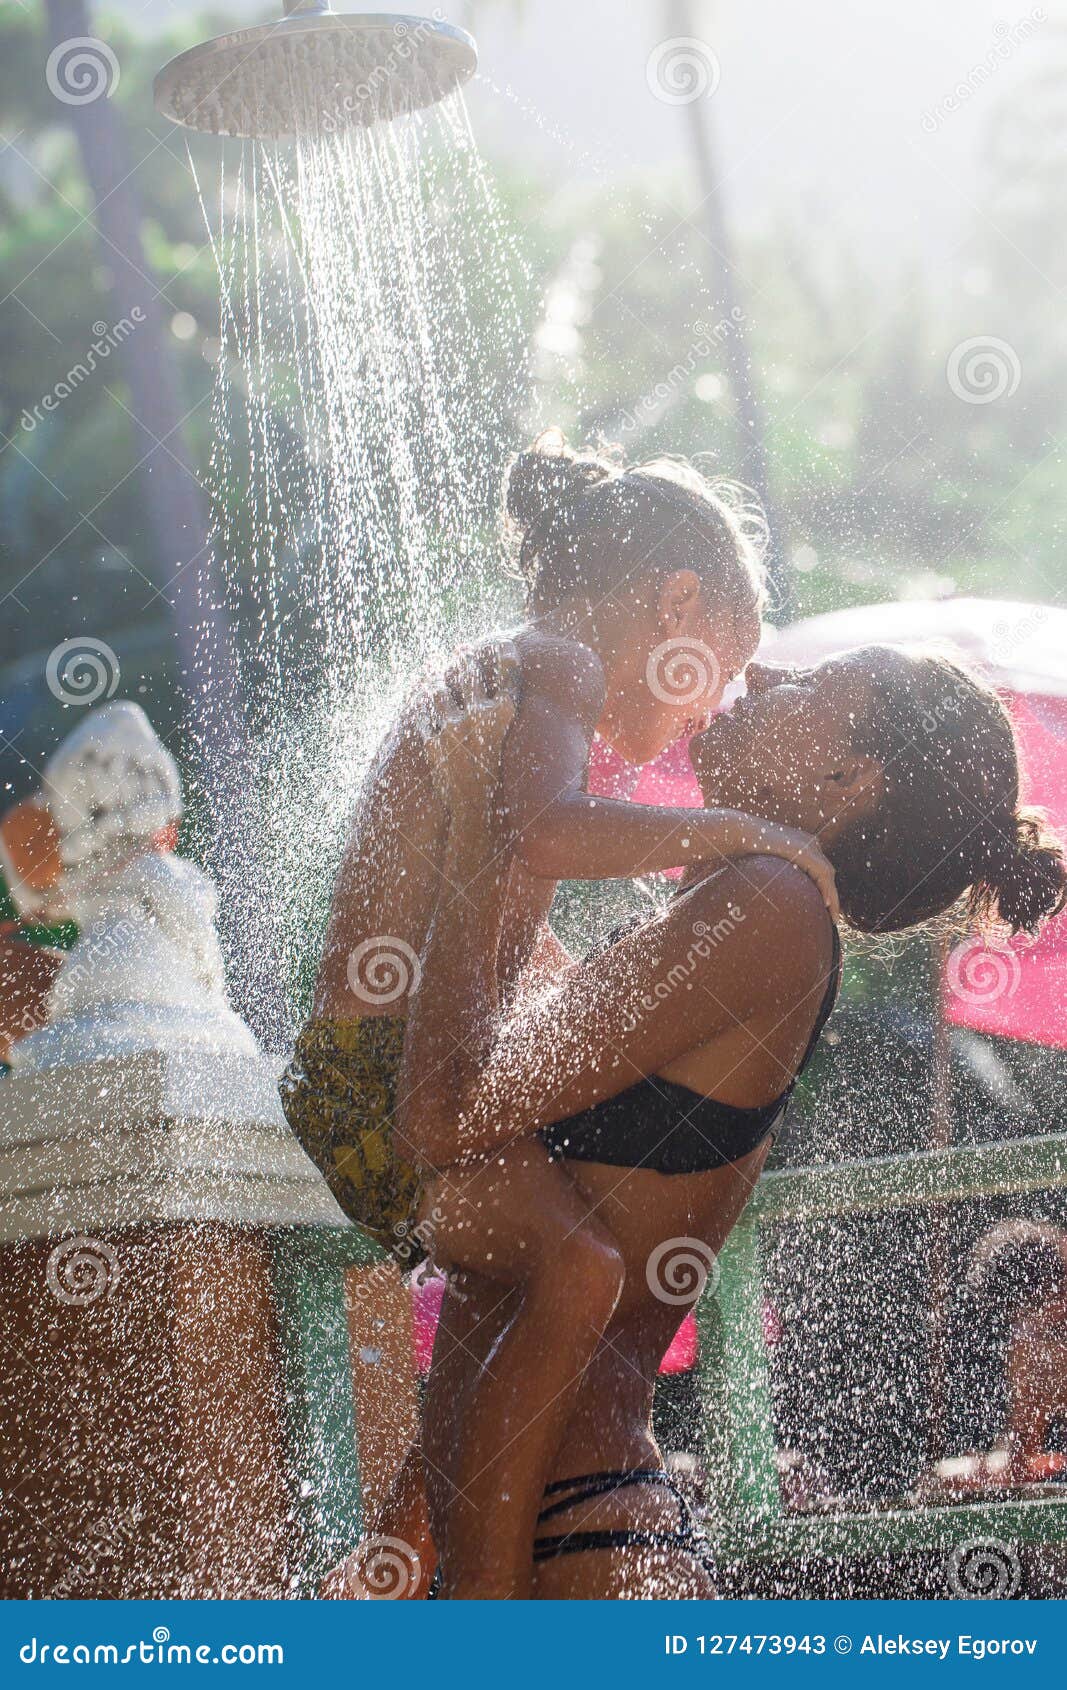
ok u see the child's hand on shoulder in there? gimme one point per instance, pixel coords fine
(769, 839)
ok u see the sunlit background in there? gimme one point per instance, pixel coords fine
(890, 185)
(835, 263)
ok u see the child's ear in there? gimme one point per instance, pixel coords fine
(680, 602)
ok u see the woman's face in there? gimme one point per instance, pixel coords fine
(786, 750)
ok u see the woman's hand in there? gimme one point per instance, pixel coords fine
(464, 720)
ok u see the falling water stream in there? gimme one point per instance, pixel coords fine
(367, 365)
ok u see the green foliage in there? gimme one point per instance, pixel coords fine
(883, 476)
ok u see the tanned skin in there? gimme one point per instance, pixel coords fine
(738, 1036)
(576, 672)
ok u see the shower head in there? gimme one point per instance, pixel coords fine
(314, 72)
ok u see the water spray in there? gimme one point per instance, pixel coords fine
(314, 71)
(363, 395)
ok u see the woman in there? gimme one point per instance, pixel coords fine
(659, 1070)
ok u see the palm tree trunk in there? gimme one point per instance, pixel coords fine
(729, 308)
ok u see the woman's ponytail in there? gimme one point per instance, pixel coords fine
(1022, 878)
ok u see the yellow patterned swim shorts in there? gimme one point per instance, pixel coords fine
(339, 1093)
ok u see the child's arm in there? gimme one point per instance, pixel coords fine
(562, 833)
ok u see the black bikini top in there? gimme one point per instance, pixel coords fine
(668, 1128)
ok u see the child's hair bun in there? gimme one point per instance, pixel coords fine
(549, 474)
(585, 524)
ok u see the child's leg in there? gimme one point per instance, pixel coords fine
(518, 1221)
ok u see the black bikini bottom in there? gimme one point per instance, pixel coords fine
(687, 1537)
(662, 1126)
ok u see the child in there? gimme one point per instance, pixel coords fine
(644, 595)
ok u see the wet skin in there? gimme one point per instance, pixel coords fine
(389, 881)
(772, 976)
(740, 1042)
(610, 1424)
(785, 750)
(395, 873)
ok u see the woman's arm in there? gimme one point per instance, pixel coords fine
(473, 1079)
(752, 939)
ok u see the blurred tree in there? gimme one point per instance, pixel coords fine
(752, 465)
(168, 486)
(885, 479)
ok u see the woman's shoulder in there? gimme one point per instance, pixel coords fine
(789, 920)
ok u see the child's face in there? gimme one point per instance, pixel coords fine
(675, 658)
